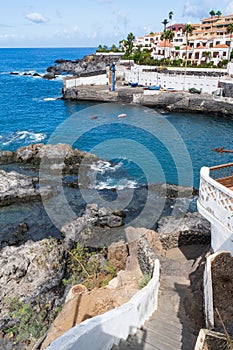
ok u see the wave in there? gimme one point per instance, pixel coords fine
(103, 166)
(111, 183)
(49, 99)
(19, 136)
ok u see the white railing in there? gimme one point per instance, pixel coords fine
(216, 199)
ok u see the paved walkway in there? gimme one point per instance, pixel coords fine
(170, 328)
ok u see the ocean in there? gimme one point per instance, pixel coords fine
(145, 147)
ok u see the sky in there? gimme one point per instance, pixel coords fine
(88, 23)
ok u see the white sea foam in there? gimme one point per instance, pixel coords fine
(102, 166)
(24, 135)
(50, 99)
(119, 185)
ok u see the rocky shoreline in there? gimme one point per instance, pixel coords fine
(33, 267)
(182, 102)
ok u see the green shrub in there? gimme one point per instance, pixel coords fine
(90, 268)
(144, 281)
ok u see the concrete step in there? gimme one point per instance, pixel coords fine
(132, 344)
(164, 316)
(159, 339)
(164, 325)
(169, 328)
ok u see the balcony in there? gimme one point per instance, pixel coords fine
(215, 203)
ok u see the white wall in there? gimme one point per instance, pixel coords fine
(101, 79)
(176, 81)
(101, 332)
(208, 293)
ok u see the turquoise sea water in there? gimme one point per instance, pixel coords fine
(146, 146)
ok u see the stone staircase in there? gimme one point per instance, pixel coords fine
(170, 328)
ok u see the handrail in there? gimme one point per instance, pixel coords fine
(216, 198)
(220, 166)
(221, 171)
(205, 175)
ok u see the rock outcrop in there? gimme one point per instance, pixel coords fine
(31, 281)
(16, 187)
(165, 100)
(60, 158)
(81, 228)
(192, 228)
(55, 153)
(187, 102)
(87, 64)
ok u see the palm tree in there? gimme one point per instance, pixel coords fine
(127, 44)
(188, 30)
(230, 30)
(164, 37)
(168, 35)
(165, 22)
(207, 55)
(212, 13)
(218, 13)
(170, 15)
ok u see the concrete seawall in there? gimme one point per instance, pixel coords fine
(169, 101)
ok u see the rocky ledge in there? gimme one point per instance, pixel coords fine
(16, 187)
(59, 157)
(165, 100)
(80, 229)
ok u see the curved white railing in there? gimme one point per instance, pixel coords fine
(102, 332)
(216, 199)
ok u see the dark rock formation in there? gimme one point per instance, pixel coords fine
(6, 157)
(87, 64)
(76, 230)
(186, 102)
(168, 101)
(49, 76)
(192, 228)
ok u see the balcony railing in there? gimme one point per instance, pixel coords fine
(216, 193)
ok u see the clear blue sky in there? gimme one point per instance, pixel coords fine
(60, 23)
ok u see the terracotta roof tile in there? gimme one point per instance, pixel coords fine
(164, 43)
(187, 48)
(221, 46)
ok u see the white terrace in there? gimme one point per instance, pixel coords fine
(215, 203)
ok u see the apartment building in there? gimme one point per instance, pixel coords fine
(209, 42)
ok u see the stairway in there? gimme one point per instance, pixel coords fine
(170, 328)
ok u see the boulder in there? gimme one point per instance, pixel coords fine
(49, 76)
(6, 157)
(117, 255)
(192, 228)
(76, 230)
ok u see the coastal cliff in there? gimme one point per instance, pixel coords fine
(88, 64)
